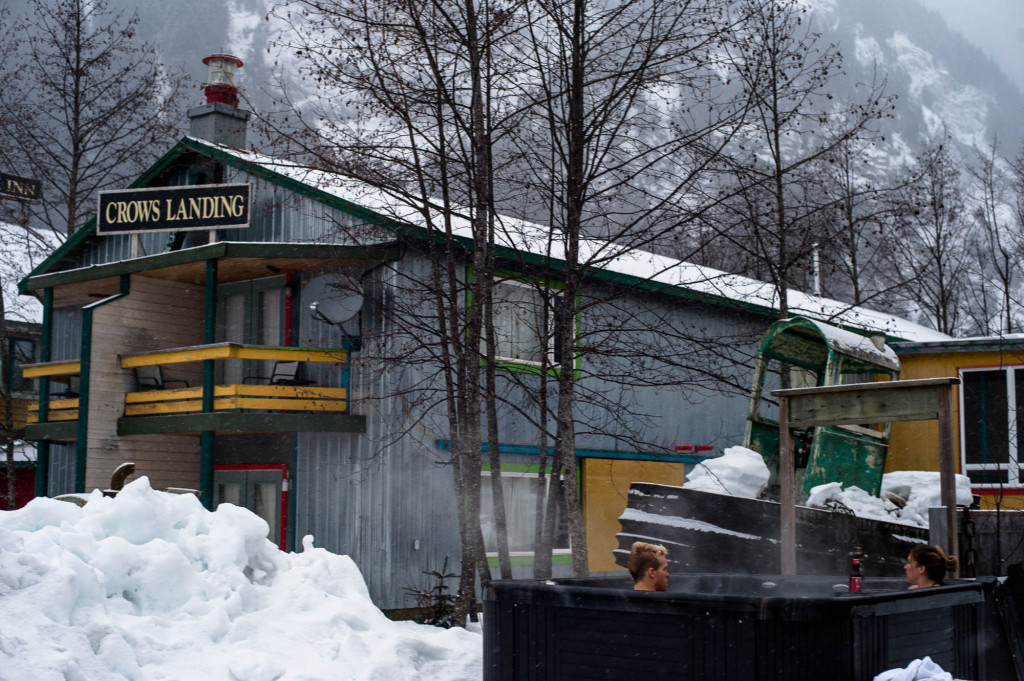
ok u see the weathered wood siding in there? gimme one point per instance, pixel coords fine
(155, 314)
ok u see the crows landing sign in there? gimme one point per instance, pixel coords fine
(173, 209)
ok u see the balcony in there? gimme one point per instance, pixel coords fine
(276, 405)
(61, 418)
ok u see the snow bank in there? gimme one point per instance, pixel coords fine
(150, 585)
(920, 489)
(739, 472)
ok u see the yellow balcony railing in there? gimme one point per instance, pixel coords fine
(295, 397)
(62, 406)
(232, 397)
(58, 371)
(221, 351)
(60, 410)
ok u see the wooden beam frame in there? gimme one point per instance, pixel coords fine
(917, 400)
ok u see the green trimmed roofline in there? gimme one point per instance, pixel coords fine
(190, 144)
(215, 251)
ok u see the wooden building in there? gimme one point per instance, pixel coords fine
(989, 437)
(260, 365)
(22, 341)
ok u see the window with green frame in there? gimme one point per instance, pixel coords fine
(524, 311)
(520, 486)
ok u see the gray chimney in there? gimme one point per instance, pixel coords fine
(220, 120)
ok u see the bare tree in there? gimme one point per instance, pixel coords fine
(625, 114)
(861, 194)
(929, 251)
(92, 107)
(423, 84)
(788, 73)
(1000, 243)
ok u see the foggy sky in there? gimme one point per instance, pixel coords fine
(996, 26)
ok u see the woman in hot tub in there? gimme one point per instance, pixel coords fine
(927, 566)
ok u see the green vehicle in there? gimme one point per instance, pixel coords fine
(797, 353)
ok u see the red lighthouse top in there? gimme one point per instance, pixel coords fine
(221, 70)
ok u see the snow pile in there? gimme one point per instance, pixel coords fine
(739, 472)
(151, 586)
(920, 489)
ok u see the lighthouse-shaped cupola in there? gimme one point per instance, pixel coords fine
(221, 71)
(220, 121)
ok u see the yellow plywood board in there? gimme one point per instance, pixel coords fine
(239, 390)
(222, 351)
(225, 404)
(52, 369)
(605, 490)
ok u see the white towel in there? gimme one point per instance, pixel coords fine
(918, 670)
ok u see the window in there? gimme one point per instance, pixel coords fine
(990, 423)
(522, 330)
(524, 323)
(251, 312)
(520, 490)
(23, 351)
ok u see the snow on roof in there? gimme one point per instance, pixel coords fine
(856, 345)
(611, 257)
(22, 250)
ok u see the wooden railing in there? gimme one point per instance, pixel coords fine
(220, 351)
(230, 397)
(305, 398)
(60, 408)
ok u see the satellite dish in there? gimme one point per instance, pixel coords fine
(335, 299)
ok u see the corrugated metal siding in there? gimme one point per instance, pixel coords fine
(384, 497)
(390, 498)
(66, 336)
(385, 489)
(62, 469)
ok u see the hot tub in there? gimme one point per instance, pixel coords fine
(730, 627)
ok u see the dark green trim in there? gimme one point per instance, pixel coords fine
(531, 450)
(403, 229)
(58, 430)
(215, 251)
(45, 351)
(208, 439)
(241, 422)
(43, 431)
(42, 467)
(957, 345)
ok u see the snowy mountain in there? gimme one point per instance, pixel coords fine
(939, 77)
(943, 82)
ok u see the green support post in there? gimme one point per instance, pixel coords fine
(45, 351)
(207, 439)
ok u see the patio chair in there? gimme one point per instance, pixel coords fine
(152, 378)
(70, 392)
(284, 373)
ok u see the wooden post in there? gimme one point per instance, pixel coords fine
(947, 469)
(787, 502)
